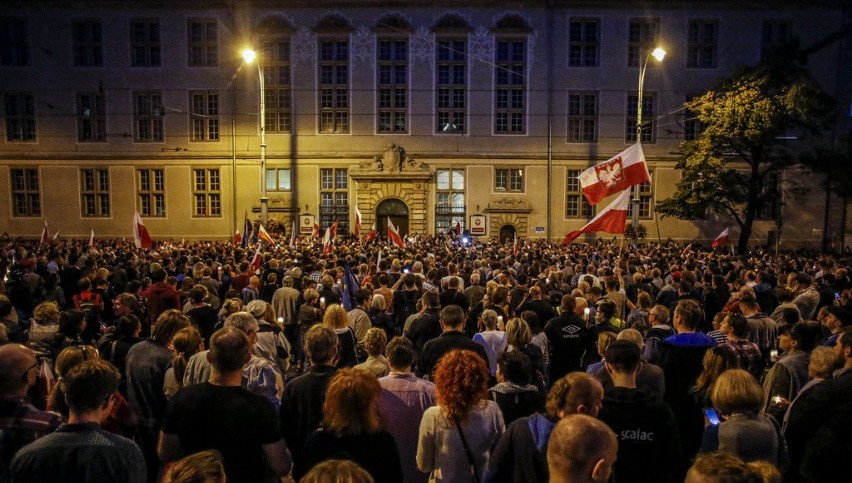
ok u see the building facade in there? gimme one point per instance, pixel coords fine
(433, 114)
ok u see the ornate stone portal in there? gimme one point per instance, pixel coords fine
(393, 175)
(508, 211)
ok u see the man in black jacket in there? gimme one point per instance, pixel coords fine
(644, 425)
(567, 339)
(453, 337)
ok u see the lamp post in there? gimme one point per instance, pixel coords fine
(250, 56)
(657, 54)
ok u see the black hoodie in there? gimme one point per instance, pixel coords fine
(648, 442)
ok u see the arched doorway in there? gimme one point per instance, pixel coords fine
(397, 211)
(507, 234)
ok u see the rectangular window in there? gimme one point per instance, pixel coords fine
(775, 34)
(94, 192)
(145, 43)
(206, 193)
(88, 43)
(334, 86)
(646, 201)
(584, 43)
(451, 86)
(641, 40)
(20, 117)
(278, 179)
(204, 116)
(203, 43)
(649, 123)
(576, 205)
(26, 199)
(509, 179)
(91, 118)
(276, 75)
(702, 43)
(770, 206)
(148, 117)
(392, 86)
(450, 208)
(582, 117)
(510, 87)
(151, 193)
(14, 47)
(334, 199)
(692, 127)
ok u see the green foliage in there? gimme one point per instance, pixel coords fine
(746, 120)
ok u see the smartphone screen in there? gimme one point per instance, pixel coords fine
(712, 416)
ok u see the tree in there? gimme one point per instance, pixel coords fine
(836, 166)
(748, 122)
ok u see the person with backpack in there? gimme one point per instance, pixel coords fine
(660, 329)
(405, 301)
(91, 304)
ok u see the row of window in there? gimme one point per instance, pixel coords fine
(202, 43)
(333, 188)
(510, 80)
(583, 118)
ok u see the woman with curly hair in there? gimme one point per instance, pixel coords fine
(351, 426)
(457, 436)
(337, 319)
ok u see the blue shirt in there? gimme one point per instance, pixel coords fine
(691, 339)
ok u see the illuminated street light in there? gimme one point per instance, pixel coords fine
(658, 54)
(250, 56)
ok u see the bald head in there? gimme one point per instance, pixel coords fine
(15, 374)
(581, 449)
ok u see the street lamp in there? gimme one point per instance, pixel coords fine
(657, 54)
(249, 56)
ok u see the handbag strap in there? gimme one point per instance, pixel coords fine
(467, 452)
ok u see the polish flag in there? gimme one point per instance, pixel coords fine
(237, 238)
(264, 235)
(515, 248)
(394, 237)
(316, 232)
(372, 235)
(255, 261)
(43, 240)
(334, 230)
(327, 240)
(458, 228)
(624, 170)
(357, 230)
(140, 234)
(611, 219)
(293, 235)
(722, 238)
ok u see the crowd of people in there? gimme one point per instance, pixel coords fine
(444, 361)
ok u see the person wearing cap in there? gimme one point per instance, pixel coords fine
(835, 321)
(271, 343)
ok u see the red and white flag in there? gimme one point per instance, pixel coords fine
(722, 238)
(92, 239)
(515, 248)
(43, 240)
(357, 230)
(255, 261)
(611, 219)
(334, 230)
(620, 172)
(316, 232)
(372, 235)
(327, 241)
(237, 238)
(458, 228)
(262, 234)
(293, 235)
(394, 237)
(140, 234)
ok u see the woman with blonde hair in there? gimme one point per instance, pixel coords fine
(337, 471)
(337, 319)
(187, 342)
(351, 426)
(44, 325)
(202, 467)
(737, 397)
(519, 336)
(374, 343)
(458, 434)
